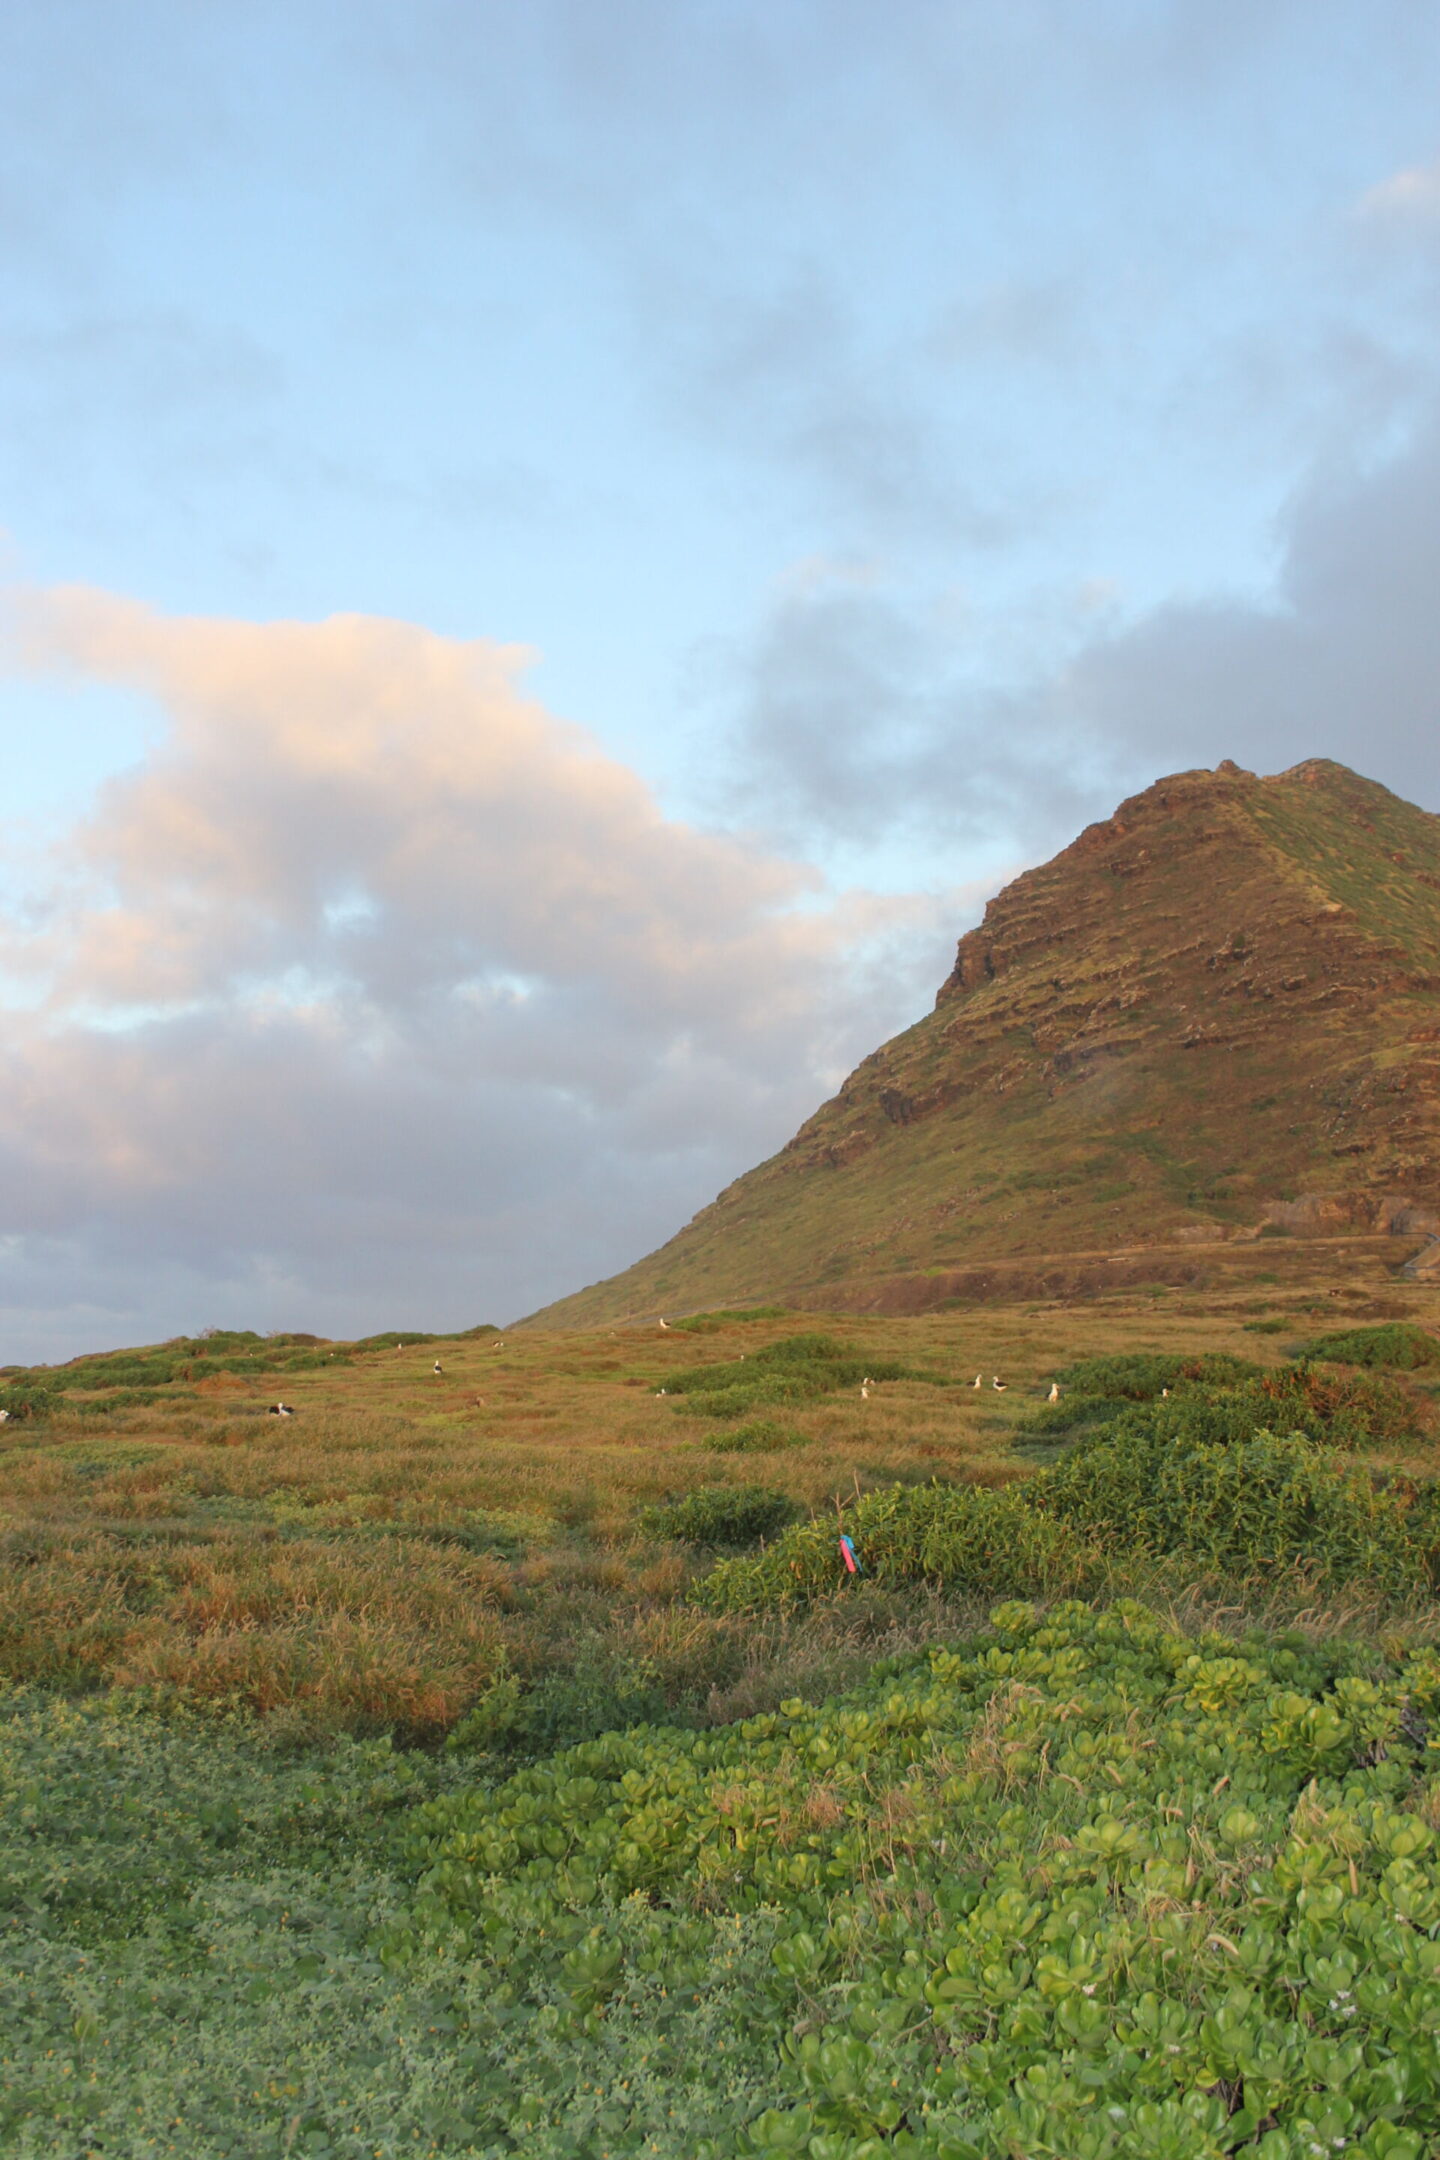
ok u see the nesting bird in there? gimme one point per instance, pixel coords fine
(998, 1384)
(4, 1417)
(976, 1381)
(666, 1325)
(865, 1389)
(1054, 1394)
(437, 1367)
(281, 1409)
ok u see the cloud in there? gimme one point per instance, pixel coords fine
(377, 989)
(1342, 661)
(1411, 194)
(882, 722)
(863, 718)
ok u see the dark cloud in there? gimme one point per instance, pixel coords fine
(1344, 662)
(857, 716)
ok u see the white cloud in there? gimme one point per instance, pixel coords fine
(377, 989)
(1413, 193)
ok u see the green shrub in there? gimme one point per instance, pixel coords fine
(762, 1436)
(1347, 1409)
(710, 1323)
(1400, 1343)
(1073, 1413)
(1086, 1889)
(1198, 1478)
(973, 1539)
(799, 1369)
(1143, 1375)
(1343, 1409)
(720, 1515)
(595, 1692)
(27, 1399)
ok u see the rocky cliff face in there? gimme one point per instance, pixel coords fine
(1218, 1008)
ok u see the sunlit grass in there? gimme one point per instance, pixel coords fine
(375, 1560)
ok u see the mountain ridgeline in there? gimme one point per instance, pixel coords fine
(1216, 1013)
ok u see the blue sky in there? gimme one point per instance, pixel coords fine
(887, 437)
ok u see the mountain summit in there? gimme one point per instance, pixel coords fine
(1218, 1009)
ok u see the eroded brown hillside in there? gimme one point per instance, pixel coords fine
(1217, 1012)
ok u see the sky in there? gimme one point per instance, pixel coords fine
(553, 556)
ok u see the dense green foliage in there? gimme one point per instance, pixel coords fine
(131, 1379)
(992, 1542)
(1199, 1472)
(1090, 1889)
(1231, 1398)
(1399, 1343)
(1142, 1375)
(720, 1515)
(1241, 1502)
(187, 1956)
(127, 1379)
(761, 1436)
(799, 1369)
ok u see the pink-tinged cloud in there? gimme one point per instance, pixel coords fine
(1412, 193)
(379, 985)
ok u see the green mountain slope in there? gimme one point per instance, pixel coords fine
(1218, 1008)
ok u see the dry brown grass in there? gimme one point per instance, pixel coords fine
(333, 1569)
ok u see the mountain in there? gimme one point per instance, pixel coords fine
(1215, 1013)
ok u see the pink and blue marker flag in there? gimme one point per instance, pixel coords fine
(847, 1554)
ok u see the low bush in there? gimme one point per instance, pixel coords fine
(1198, 1478)
(1143, 1375)
(1400, 1344)
(720, 1515)
(1346, 1409)
(1087, 1888)
(799, 1369)
(1343, 1409)
(597, 1690)
(22, 1399)
(1211, 1473)
(978, 1540)
(762, 1436)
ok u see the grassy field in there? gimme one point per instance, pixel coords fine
(372, 1562)
(294, 1861)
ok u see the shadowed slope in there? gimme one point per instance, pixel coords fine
(1218, 1008)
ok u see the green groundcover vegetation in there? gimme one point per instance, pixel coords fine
(798, 1369)
(1185, 1469)
(1085, 1886)
(1083, 1889)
